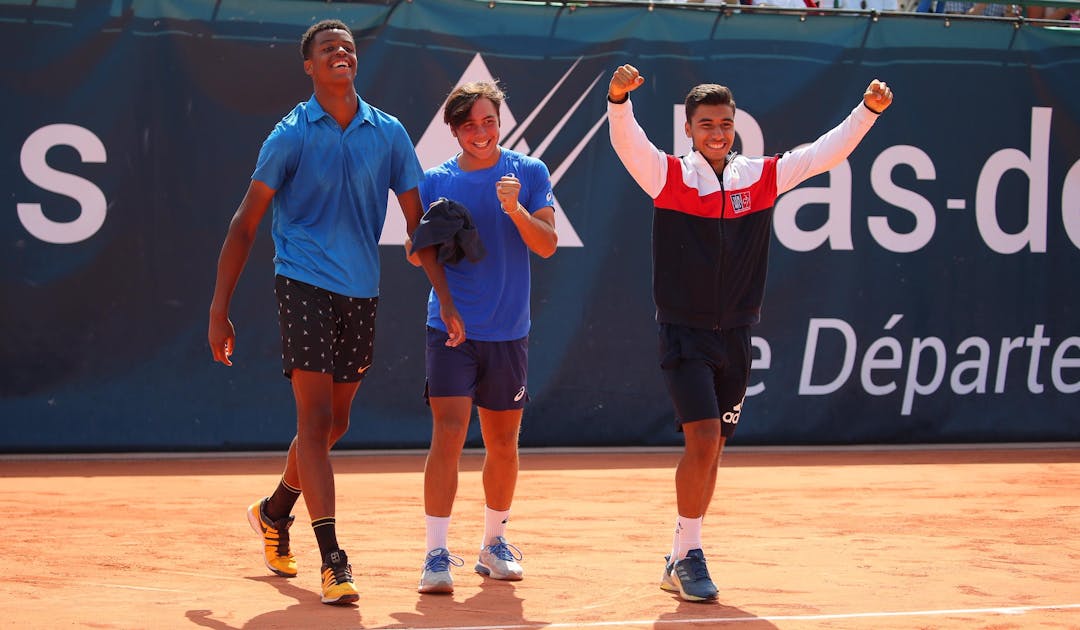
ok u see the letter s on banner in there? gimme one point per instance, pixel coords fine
(89, 197)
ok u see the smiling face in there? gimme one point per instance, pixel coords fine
(332, 57)
(478, 136)
(711, 129)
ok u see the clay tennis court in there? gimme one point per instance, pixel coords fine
(979, 538)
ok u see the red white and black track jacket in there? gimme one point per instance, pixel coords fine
(711, 240)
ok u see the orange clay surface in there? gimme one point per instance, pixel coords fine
(800, 539)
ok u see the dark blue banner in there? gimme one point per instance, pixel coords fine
(922, 291)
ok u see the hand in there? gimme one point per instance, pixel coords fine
(222, 338)
(507, 189)
(455, 326)
(410, 255)
(624, 80)
(878, 96)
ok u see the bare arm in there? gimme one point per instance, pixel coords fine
(428, 259)
(536, 229)
(231, 261)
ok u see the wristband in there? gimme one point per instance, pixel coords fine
(626, 97)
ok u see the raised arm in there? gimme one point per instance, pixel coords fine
(536, 229)
(645, 163)
(798, 165)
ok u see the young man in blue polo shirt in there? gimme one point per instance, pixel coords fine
(326, 169)
(510, 200)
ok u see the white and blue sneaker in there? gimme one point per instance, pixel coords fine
(500, 561)
(691, 576)
(436, 578)
(666, 583)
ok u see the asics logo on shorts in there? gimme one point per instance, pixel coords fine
(520, 394)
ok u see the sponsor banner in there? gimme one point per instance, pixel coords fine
(921, 291)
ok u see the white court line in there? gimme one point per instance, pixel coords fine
(1004, 610)
(208, 576)
(135, 588)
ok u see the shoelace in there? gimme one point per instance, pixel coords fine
(696, 569)
(279, 531)
(505, 551)
(440, 560)
(341, 573)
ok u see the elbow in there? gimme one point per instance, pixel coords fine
(549, 248)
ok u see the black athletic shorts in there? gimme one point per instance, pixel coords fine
(706, 372)
(322, 331)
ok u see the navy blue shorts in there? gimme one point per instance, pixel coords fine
(322, 331)
(706, 372)
(493, 373)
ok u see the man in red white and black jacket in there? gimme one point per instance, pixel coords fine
(711, 230)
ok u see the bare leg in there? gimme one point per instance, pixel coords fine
(695, 476)
(500, 430)
(343, 395)
(450, 425)
(314, 392)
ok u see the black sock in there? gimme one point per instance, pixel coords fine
(281, 503)
(326, 533)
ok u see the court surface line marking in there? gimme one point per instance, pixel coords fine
(135, 588)
(1002, 610)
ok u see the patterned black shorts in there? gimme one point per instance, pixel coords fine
(323, 331)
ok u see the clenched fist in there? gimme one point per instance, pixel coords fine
(624, 80)
(878, 96)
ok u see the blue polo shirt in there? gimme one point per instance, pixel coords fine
(332, 186)
(492, 294)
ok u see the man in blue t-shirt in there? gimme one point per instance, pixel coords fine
(477, 342)
(326, 170)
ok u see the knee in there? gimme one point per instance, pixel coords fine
(449, 429)
(338, 429)
(704, 439)
(502, 445)
(315, 423)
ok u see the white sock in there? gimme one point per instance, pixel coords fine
(437, 529)
(494, 524)
(687, 536)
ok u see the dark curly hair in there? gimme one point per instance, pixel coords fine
(315, 29)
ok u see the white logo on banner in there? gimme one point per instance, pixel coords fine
(436, 145)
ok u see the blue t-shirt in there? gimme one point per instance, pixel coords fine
(491, 295)
(332, 186)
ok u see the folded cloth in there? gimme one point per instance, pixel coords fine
(448, 225)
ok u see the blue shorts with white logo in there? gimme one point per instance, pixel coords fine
(492, 373)
(706, 372)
